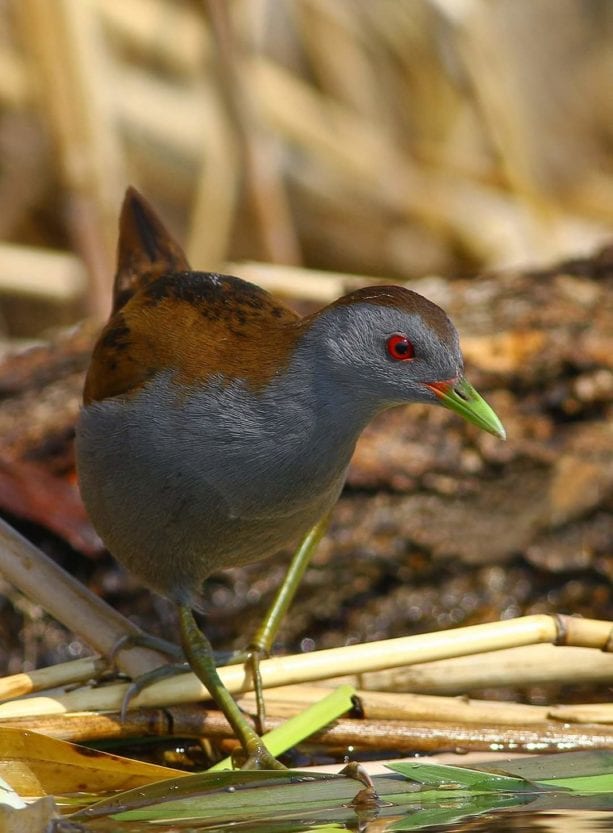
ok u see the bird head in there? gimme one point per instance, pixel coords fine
(388, 346)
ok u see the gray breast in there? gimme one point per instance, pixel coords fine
(180, 487)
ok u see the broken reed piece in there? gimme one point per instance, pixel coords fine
(54, 676)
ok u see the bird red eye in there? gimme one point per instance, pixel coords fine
(400, 348)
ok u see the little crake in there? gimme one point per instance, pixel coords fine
(218, 425)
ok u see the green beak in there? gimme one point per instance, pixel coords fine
(461, 397)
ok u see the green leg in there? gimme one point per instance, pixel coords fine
(264, 637)
(200, 655)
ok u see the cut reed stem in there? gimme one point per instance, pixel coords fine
(55, 676)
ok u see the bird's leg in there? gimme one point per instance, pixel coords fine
(200, 655)
(263, 639)
(147, 640)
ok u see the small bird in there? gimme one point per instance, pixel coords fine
(218, 425)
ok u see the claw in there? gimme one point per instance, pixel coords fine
(145, 680)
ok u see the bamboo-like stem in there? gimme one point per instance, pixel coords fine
(400, 735)
(510, 667)
(55, 676)
(352, 659)
(286, 701)
(70, 602)
(436, 737)
(583, 713)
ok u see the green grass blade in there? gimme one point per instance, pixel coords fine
(586, 772)
(439, 775)
(578, 771)
(303, 725)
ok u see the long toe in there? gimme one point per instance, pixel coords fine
(146, 640)
(145, 680)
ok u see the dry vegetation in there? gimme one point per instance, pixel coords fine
(388, 138)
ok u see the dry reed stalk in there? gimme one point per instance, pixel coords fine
(489, 65)
(83, 726)
(583, 713)
(401, 737)
(346, 71)
(387, 121)
(55, 676)
(218, 184)
(260, 157)
(297, 282)
(319, 665)
(368, 165)
(41, 273)
(436, 196)
(348, 146)
(70, 602)
(344, 735)
(168, 33)
(179, 135)
(15, 87)
(286, 701)
(511, 667)
(75, 87)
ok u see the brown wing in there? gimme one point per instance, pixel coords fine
(166, 317)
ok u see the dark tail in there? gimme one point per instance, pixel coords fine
(146, 250)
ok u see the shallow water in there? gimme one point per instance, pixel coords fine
(503, 821)
(525, 822)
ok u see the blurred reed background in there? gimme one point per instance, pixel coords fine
(391, 138)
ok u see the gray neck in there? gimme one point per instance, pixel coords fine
(326, 417)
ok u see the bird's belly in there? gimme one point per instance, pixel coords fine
(156, 505)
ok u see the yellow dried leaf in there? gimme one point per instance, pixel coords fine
(34, 764)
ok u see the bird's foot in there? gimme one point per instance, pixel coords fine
(146, 640)
(147, 679)
(258, 758)
(155, 643)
